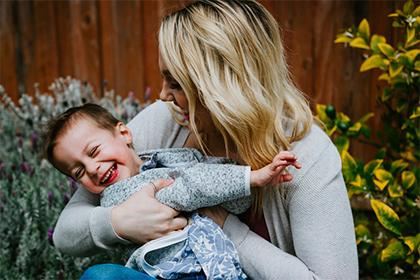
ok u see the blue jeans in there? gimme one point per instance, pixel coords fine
(110, 271)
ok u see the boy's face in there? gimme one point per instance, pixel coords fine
(94, 156)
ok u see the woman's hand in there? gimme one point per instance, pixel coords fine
(216, 213)
(142, 218)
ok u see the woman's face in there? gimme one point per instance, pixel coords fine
(171, 90)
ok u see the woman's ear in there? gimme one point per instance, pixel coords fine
(124, 132)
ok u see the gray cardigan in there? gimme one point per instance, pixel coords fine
(309, 220)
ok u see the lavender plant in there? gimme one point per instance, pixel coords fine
(32, 192)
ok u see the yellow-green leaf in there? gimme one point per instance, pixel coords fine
(395, 190)
(416, 114)
(412, 54)
(393, 72)
(342, 39)
(398, 165)
(359, 42)
(364, 29)
(393, 15)
(408, 178)
(384, 77)
(411, 34)
(358, 182)
(412, 43)
(394, 251)
(372, 166)
(356, 127)
(362, 234)
(386, 216)
(411, 242)
(408, 7)
(349, 165)
(375, 40)
(320, 111)
(386, 49)
(380, 184)
(366, 117)
(375, 61)
(417, 11)
(382, 175)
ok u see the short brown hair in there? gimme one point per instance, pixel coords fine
(58, 125)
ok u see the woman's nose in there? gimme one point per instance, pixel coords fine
(165, 93)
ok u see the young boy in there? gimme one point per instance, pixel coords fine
(90, 145)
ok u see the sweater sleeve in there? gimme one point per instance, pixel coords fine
(204, 185)
(321, 225)
(84, 228)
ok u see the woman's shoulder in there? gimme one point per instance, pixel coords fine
(154, 128)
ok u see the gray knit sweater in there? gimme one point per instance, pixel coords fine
(309, 220)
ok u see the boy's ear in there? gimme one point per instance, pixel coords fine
(125, 132)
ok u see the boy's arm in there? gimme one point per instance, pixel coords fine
(204, 185)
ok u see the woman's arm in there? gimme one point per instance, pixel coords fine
(321, 225)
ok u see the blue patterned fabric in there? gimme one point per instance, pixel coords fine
(206, 249)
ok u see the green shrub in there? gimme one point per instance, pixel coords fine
(32, 192)
(388, 232)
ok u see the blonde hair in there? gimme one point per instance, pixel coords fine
(228, 55)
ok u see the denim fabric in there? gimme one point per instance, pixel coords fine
(113, 272)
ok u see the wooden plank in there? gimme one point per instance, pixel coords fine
(66, 61)
(150, 28)
(39, 41)
(85, 43)
(8, 49)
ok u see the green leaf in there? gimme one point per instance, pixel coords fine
(372, 165)
(375, 61)
(375, 40)
(395, 190)
(416, 114)
(342, 143)
(386, 49)
(395, 70)
(380, 184)
(408, 179)
(366, 117)
(359, 43)
(398, 165)
(394, 251)
(408, 7)
(386, 216)
(364, 29)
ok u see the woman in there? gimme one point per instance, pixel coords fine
(225, 73)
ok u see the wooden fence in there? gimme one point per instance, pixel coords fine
(114, 44)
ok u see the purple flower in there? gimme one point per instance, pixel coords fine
(147, 93)
(26, 168)
(72, 185)
(50, 196)
(66, 198)
(50, 233)
(34, 139)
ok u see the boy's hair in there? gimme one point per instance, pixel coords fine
(58, 125)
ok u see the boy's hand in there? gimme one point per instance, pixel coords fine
(273, 173)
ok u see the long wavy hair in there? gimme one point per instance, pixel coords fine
(228, 55)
